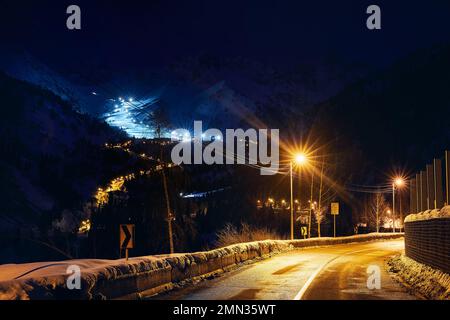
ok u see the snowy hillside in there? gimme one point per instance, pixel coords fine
(223, 93)
(24, 66)
(49, 149)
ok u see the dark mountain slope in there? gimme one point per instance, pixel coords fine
(51, 155)
(404, 110)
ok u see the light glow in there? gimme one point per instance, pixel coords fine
(300, 159)
(133, 117)
(399, 182)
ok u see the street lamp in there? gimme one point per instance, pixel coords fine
(398, 182)
(299, 159)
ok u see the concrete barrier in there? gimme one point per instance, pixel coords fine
(145, 276)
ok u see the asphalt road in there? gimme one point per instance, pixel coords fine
(334, 272)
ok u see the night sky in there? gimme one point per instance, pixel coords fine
(365, 105)
(134, 34)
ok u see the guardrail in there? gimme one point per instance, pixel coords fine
(144, 276)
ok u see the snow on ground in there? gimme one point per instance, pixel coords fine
(422, 279)
(118, 278)
(48, 279)
(429, 214)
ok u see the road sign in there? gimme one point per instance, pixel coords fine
(334, 212)
(335, 208)
(304, 231)
(127, 236)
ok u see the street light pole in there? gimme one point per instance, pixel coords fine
(311, 205)
(399, 182)
(292, 202)
(393, 207)
(299, 159)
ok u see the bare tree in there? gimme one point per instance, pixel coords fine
(320, 215)
(377, 209)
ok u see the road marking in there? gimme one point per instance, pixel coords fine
(305, 287)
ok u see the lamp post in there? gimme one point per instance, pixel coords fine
(393, 207)
(299, 160)
(397, 183)
(292, 203)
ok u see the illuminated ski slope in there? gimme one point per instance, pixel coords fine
(132, 116)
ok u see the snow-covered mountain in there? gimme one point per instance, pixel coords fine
(50, 152)
(236, 91)
(222, 92)
(24, 66)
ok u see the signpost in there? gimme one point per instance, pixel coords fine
(126, 238)
(334, 212)
(304, 232)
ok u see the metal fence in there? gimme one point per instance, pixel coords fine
(430, 188)
(428, 242)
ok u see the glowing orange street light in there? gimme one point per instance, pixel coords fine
(398, 182)
(299, 159)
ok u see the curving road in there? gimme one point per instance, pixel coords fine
(334, 272)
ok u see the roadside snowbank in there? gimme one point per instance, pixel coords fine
(429, 214)
(325, 241)
(143, 276)
(422, 279)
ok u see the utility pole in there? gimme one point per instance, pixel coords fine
(393, 207)
(292, 202)
(377, 210)
(400, 210)
(169, 213)
(311, 204)
(300, 159)
(166, 194)
(320, 199)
